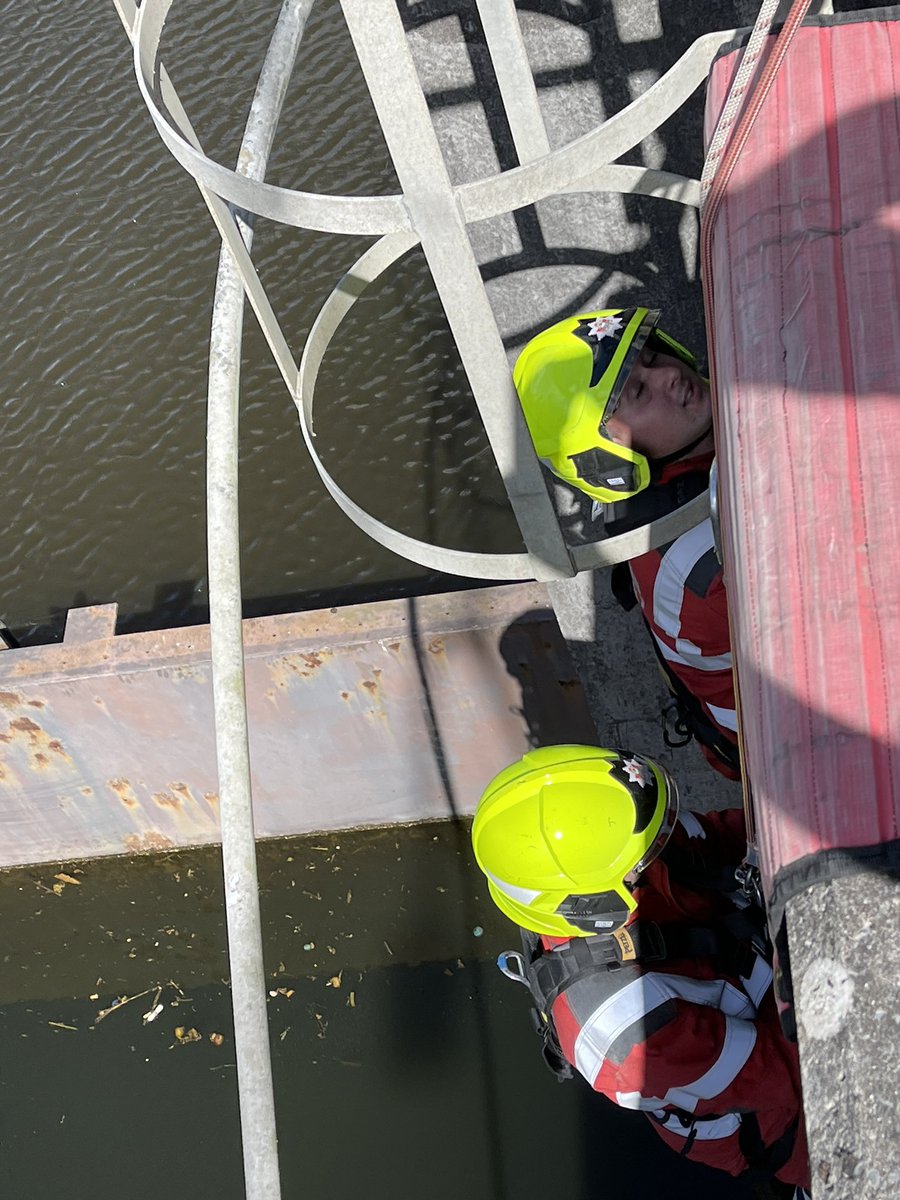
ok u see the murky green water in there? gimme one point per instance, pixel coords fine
(404, 1063)
(107, 278)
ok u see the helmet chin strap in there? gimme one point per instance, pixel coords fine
(676, 454)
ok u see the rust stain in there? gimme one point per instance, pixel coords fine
(142, 843)
(38, 741)
(4, 737)
(86, 791)
(345, 695)
(370, 685)
(312, 660)
(211, 798)
(10, 699)
(124, 791)
(395, 646)
(36, 704)
(279, 668)
(436, 646)
(165, 800)
(26, 725)
(182, 790)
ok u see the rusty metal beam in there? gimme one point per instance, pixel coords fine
(372, 714)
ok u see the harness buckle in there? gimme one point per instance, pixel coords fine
(749, 882)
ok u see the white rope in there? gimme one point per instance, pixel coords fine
(735, 98)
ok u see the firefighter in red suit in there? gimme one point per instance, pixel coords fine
(618, 409)
(648, 966)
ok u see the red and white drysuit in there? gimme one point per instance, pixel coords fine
(681, 593)
(688, 1039)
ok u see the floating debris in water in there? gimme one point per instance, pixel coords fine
(153, 1013)
(477, 931)
(183, 1036)
(217, 1039)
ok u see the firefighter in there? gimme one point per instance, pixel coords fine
(620, 410)
(648, 967)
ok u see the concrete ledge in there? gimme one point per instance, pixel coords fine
(846, 977)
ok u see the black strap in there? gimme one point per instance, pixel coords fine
(735, 941)
(688, 866)
(658, 500)
(759, 1156)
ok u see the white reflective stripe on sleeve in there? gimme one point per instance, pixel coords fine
(703, 1131)
(758, 981)
(692, 656)
(636, 1101)
(740, 1038)
(523, 895)
(640, 997)
(726, 717)
(674, 568)
(691, 825)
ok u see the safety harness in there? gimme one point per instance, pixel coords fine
(733, 942)
(685, 718)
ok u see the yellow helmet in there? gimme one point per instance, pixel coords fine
(570, 378)
(562, 833)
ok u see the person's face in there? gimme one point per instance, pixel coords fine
(664, 406)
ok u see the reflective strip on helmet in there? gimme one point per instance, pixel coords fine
(726, 717)
(703, 1130)
(640, 997)
(519, 894)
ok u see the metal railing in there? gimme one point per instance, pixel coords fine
(432, 212)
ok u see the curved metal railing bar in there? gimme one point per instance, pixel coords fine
(584, 164)
(559, 171)
(248, 986)
(373, 263)
(569, 165)
(370, 215)
(259, 1139)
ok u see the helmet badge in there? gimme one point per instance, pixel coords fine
(603, 334)
(636, 772)
(603, 327)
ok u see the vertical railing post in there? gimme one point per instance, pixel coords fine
(381, 46)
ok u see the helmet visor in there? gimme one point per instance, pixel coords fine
(662, 836)
(638, 341)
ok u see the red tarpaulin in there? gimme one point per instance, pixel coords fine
(806, 281)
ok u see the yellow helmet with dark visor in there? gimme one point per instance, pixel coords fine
(570, 379)
(563, 834)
